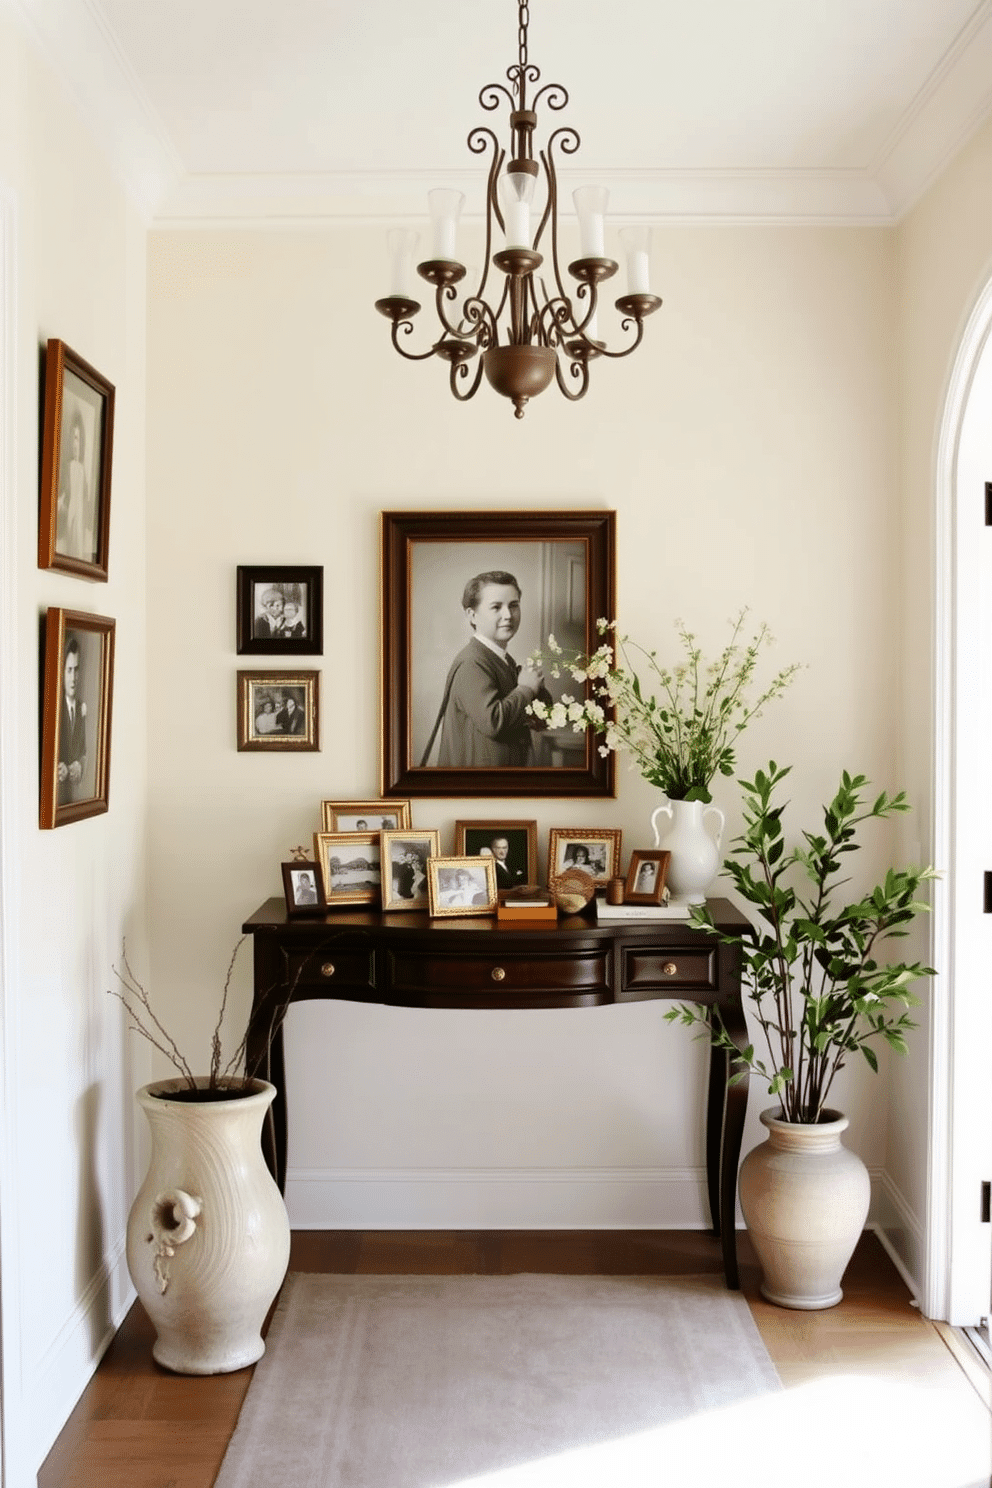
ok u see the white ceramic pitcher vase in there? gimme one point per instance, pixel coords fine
(696, 858)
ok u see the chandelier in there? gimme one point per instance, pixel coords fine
(531, 329)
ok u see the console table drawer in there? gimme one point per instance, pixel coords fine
(332, 967)
(654, 968)
(584, 972)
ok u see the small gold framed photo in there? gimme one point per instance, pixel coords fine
(512, 845)
(279, 710)
(349, 866)
(364, 816)
(596, 850)
(646, 877)
(461, 886)
(405, 855)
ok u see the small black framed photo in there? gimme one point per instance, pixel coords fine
(512, 845)
(279, 710)
(77, 701)
(280, 611)
(76, 457)
(596, 850)
(303, 888)
(646, 876)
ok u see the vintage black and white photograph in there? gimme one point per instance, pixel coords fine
(512, 845)
(349, 866)
(363, 816)
(304, 889)
(595, 850)
(76, 720)
(461, 886)
(646, 875)
(280, 611)
(404, 867)
(279, 710)
(469, 605)
(77, 453)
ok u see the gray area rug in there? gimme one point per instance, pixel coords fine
(424, 1381)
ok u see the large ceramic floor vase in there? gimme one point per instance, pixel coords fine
(208, 1234)
(805, 1201)
(695, 854)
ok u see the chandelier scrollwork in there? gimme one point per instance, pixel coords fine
(527, 334)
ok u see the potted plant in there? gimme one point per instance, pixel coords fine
(819, 993)
(208, 1233)
(679, 724)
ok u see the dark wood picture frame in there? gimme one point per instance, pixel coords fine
(289, 584)
(642, 858)
(77, 450)
(77, 706)
(295, 906)
(261, 694)
(565, 566)
(564, 843)
(520, 863)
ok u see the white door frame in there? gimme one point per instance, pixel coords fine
(956, 1279)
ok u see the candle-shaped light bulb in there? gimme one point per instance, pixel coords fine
(516, 189)
(590, 204)
(637, 246)
(401, 244)
(445, 208)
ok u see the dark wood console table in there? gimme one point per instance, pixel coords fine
(410, 960)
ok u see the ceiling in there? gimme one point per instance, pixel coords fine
(690, 110)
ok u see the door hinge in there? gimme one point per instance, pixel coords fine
(987, 908)
(988, 503)
(986, 1203)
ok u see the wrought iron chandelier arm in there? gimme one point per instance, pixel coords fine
(402, 323)
(459, 372)
(480, 138)
(579, 372)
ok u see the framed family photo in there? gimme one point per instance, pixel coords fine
(468, 599)
(596, 850)
(280, 611)
(76, 458)
(303, 888)
(349, 864)
(405, 855)
(363, 816)
(512, 845)
(279, 710)
(461, 886)
(646, 874)
(77, 698)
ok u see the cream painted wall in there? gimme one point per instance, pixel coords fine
(750, 453)
(79, 262)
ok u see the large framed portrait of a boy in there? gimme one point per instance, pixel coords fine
(76, 459)
(469, 599)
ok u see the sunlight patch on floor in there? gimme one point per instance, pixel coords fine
(844, 1432)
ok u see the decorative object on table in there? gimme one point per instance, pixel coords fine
(511, 844)
(301, 853)
(573, 890)
(77, 702)
(461, 886)
(679, 739)
(279, 711)
(364, 816)
(455, 720)
(303, 888)
(596, 850)
(280, 610)
(694, 855)
(819, 993)
(526, 904)
(208, 1233)
(670, 909)
(350, 866)
(614, 891)
(76, 458)
(404, 855)
(646, 877)
(532, 329)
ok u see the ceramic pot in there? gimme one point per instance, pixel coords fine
(208, 1234)
(805, 1201)
(695, 859)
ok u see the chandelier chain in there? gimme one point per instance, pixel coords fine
(524, 11)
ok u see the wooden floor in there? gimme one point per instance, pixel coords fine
(137, 1426)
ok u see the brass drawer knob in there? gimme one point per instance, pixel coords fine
(669, 969)
(327, 969)
(498, 974)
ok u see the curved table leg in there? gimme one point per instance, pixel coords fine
(735, 1111)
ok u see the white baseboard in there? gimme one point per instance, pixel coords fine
(899, 1230)
(497, 1198)
(65, 1370)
